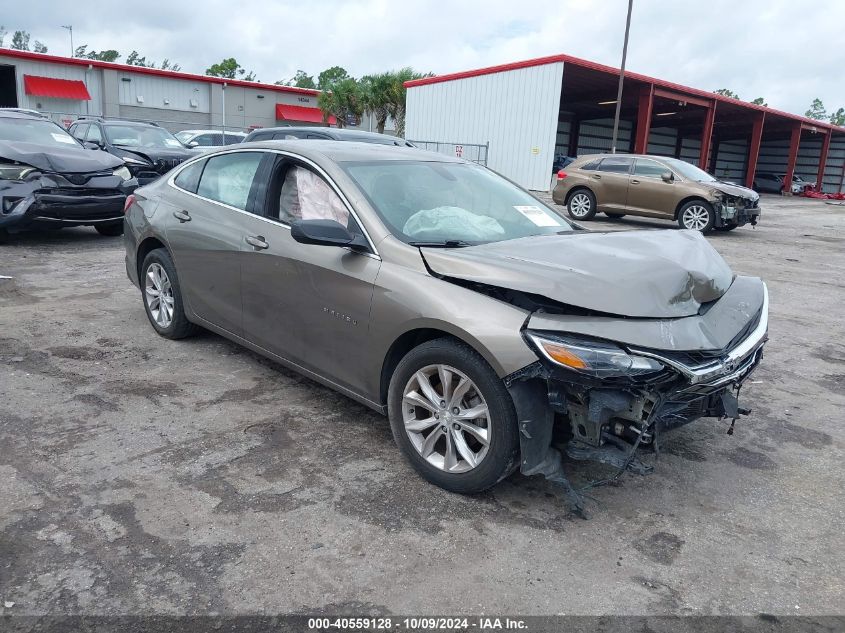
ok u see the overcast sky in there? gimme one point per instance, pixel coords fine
(769, 48)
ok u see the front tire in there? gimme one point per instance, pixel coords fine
(452, 417)
(581, 205)
(696, 215)
(163, 297)
(112, 229)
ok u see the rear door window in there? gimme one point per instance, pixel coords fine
(616, 165)
(228, 178)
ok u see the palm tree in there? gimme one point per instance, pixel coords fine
(398, 94)
(344, 100)
(376, 93)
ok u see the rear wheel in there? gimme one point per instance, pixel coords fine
(452, 417)
(163, 296)
(696, 215)
(112, 229)
(582, 205)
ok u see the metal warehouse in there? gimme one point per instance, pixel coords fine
(67, 88)
(527, 112)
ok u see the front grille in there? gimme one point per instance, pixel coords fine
(703, 357)
(164, 165)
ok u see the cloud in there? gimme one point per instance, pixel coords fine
(767, 48)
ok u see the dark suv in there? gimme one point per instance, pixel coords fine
(324, 134)
(148, 150)
(48, 180)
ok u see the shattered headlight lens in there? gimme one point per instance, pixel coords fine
(593, 358)
(136, 161)
(123, 172)
(15, 172)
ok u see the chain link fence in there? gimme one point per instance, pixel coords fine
(474, 152)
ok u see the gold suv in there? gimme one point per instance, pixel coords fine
(655, 187)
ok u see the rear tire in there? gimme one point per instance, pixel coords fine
(4, 236)
(112, 229)
(409, 408)
(696, 215)
(162, 296)
(581, 205)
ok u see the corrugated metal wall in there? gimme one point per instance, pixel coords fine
(516, 111)
(161, 93)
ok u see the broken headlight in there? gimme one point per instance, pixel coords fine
(10, 171)
(123, 172)
(593, 358)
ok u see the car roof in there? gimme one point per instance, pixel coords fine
(13, 113)
(352, 151)
(339, 134)
(210, 132)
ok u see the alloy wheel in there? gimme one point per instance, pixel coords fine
(446, 418)
(580, 205)
(158, 293)
(696, 217)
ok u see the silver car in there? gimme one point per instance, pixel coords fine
(485, 325)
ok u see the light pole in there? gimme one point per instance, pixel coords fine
(621, 79)
(69, 27)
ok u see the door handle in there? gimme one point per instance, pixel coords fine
(182, 216)
(635, 182)
(596, 176)
(257, 241)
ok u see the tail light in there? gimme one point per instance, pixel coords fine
(561, 175)
(129, 200)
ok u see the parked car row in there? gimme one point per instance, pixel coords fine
(773, 183)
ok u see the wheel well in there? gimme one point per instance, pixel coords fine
(144, 249)
(690, 199)
(400, 348)
(575, 190)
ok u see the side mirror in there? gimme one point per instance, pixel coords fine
(192, 144)
(668, 176)
(326, 233)
(92, 145)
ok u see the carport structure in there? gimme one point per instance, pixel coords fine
(514, 107)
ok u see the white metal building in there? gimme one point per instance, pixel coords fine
(67, 88)
(534, 111)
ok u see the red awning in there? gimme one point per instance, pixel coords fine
(301, 113)
(58, 88)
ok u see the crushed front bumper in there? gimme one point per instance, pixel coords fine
(53, 201)
(737, 212)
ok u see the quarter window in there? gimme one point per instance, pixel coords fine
(228, 178)
(189, 177)
(616, 165)
(95, 135)
(649, 168)
(80, 130)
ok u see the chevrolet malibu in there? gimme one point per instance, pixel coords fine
(489, 329)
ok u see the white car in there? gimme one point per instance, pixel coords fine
(209, 138)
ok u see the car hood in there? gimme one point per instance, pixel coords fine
(71, 160)
(733, 190)
(654, 274)
(152, 154)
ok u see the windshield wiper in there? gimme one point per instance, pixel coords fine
(443, 244)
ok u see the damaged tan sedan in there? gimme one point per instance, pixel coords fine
(490, 330)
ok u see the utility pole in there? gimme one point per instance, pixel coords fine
(621, 79)
(69, 27)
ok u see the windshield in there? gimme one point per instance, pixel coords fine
(451, 204)
(691, 172)
(184, 136)
(35, 131)
(141, 136)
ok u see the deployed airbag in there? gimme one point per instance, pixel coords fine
(452, 223)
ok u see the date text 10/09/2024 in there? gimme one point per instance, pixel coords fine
(417, 624)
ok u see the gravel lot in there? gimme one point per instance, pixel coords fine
(141, 475)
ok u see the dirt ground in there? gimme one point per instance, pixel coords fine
(141, 475)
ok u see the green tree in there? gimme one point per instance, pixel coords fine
(816, 110)
(344, 100)
(398, 94)
(725, 92)
(109, 55)
(166, 64)
(38, 47)
(376, 92)
(20, 41)
(838, 117)
(134, 59)
(300, 80)
(331, 76)
(229, 68)
(3, 33)
(760, 101)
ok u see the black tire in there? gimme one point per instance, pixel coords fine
(502, 456)
(576, 199)
(112, 229)
(614, 215)
(727, 227)
(4, 236)
(686, 211)
(179, 326)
